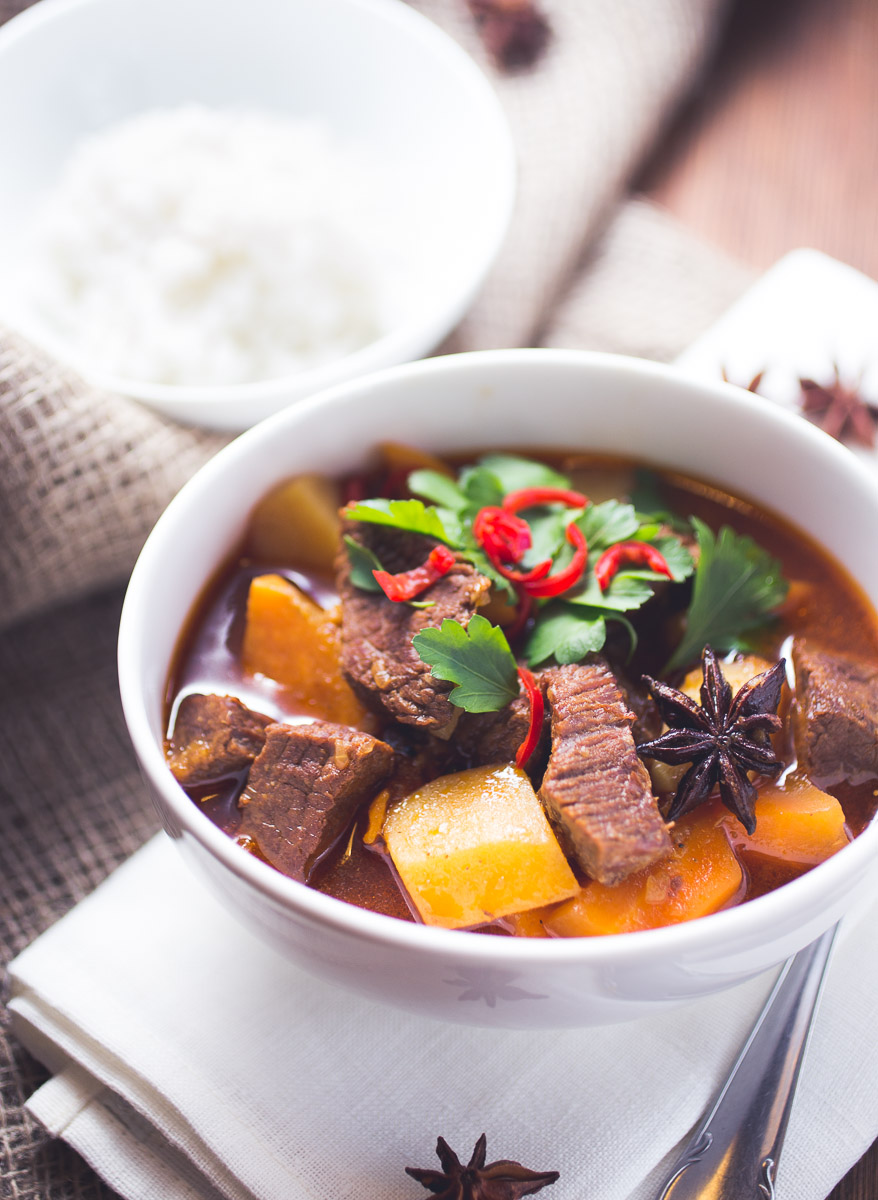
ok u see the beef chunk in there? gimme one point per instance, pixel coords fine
(836, 715)
(494, 737)
(378, 658)
(596, 790)
(304, 789)
(213, 737)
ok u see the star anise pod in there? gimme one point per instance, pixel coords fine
(723, 737)
(501, 1180)
(754, 384)
(514, 32)
(840, 410)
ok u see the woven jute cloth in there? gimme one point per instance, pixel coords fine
(84, 475)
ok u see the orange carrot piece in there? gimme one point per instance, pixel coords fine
(290, 639)
(795, 822)
(700, 876)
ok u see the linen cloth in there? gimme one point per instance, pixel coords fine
(83, 476)
(191, 1061)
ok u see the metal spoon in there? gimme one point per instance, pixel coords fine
(734, 1152)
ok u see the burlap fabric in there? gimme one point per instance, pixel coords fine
(83, 476)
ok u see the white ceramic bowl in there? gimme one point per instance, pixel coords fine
(379, 75)
(524, 398)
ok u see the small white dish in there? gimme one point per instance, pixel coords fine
(379, 76)
(504, 399)
(807, 315)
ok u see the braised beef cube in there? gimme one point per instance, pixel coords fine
(647, 718)
(836, 715)
(494, 737)
(596, 790)
(378, 658)
(304, 789)
(213, 737)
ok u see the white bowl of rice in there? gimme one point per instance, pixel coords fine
(219, 209)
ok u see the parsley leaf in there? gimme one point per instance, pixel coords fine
(514, 473)
(628, 590)
(432, 485)
(476, 488)
(413, 516)
(477, 659)
(363, 563)
(607, 523)
(565, 633)
(481, 488)
(737, 586)
(675, 554)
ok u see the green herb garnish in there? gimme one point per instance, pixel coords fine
(477, 660)
(410, 516)
(737, 587)
(362, 562)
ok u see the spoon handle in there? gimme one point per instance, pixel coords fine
(734, 1152)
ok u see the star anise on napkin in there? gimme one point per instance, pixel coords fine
(840, 410)
(501, 1180)
(514, 32)
(723, 737)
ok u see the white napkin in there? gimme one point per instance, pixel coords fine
(191, 1062)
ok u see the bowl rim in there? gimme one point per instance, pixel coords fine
(735, 926)
(390, 346)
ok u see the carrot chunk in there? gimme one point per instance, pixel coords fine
(795, 822)
(700, 876)
(290, 639)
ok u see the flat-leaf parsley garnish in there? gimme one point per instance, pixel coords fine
(410, 516)
(738, 585)
(478, 660)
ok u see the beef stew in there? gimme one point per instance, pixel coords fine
(591, 594)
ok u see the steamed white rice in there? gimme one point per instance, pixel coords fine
(198, 246)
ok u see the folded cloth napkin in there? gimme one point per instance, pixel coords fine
(192, 1062)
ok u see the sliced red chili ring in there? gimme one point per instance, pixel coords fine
(406, 585)
(554, 585)
(525, 578)
(535, 722)
(531, 497)
(503, 536)
(629, 554)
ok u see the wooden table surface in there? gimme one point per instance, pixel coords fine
(776, 149)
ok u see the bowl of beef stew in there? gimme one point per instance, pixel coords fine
(523, 688)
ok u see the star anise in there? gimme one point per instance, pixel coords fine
(515, 32)
(501, 1180)
(723, 738)
(840, 410)
(754, 384)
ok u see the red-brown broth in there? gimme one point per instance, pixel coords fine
(833, 613)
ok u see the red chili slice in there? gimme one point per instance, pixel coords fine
(503, 536)
(409, 584)
(525, 578)
(535, 725)
(639, 554)
(554, 585)
(531, 497)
